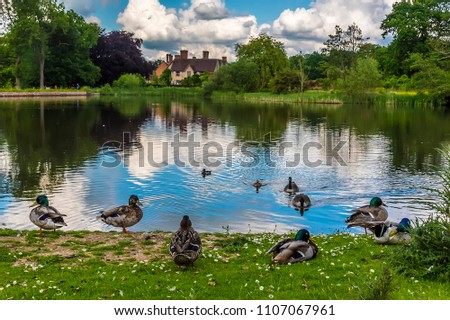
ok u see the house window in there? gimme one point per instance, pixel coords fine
(178, 73)
(189, 73)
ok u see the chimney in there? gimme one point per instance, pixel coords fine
(177, 56)
(183, 54)
(205, 54)
(224, 59)
(169, 58)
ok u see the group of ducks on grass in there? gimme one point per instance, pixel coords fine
(186, 246)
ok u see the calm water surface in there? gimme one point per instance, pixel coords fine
(90, 155)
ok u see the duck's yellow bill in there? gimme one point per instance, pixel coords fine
(34, 204)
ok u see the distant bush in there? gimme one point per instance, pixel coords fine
(129, 81)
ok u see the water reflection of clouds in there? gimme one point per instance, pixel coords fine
(227, 197)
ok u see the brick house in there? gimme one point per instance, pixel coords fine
(182, 67)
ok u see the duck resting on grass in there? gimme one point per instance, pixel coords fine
(368, 216)
(186, 245)
(299, 249)
(45, 216)
(124, 216)
(386, 233)
(291, 187)
(301, 202)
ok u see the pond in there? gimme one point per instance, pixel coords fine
(91, 154)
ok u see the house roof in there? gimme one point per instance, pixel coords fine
(198, 65)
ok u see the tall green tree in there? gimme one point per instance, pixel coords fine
(299, 70)
(42, 34)
(267, 53)
(30, 22)
(70, 42)
(6, 63)
(362, 78)
(342, 47)
(412, 26)
(341, 50)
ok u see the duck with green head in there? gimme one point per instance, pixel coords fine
(124, 216)
(392, 233)
(369, 215)
(46, 216)
(186, 245)
(299, 249)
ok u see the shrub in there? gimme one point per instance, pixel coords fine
(428, 254)
(129, 81)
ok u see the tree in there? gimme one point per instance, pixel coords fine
(6, 64)
(299, 69)
(267, 53)
(432, 73)
(117, 53)
(341, 50)
(287, 81)
(363, 77)
(412, 26)
(314, 65)
(166, 78)
(69, 62)
(29, 24)
(239, 76)
(42, 34)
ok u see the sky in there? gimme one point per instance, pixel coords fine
(167, 26)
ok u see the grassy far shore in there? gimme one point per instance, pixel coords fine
(112, 265)
(407, 98)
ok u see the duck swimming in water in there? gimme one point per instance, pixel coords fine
(124, 216)
(258, 184)
(291, 187)
(301, 202)
(46, 216)
(206, 172)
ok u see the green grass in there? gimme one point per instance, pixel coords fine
(231, 267)
(312, 96)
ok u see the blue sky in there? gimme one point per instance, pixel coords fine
(167, 26)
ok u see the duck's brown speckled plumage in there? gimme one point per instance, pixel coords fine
(186, 245)
(124, 216)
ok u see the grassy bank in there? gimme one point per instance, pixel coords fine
(111, 265)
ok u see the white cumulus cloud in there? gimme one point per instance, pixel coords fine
(208, 25)
(202, 25)
(307, 29)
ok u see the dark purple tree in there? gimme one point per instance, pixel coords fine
(117, 53)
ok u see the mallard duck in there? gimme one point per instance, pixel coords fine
(124, 216)
(291, 187)
(206, 172)
(385, 233)
(186, 245)
(299, 249)
(301, 202)
(258, 184)
(369, 215)
(45, 216)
